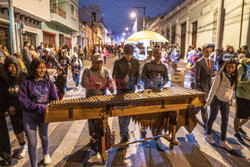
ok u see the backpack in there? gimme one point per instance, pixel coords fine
(244, 71)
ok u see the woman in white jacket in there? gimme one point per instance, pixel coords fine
(219, 96)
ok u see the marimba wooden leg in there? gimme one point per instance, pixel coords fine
(104, 126)
(173, 141)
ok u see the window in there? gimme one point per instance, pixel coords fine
(73, 13)
(167, 33)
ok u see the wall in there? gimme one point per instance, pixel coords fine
(38, 8)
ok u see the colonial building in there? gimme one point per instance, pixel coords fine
(64, 23)
(195, 22)
(28, 16)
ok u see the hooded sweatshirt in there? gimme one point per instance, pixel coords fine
(60, 82)
(13, 82)
(35, 94)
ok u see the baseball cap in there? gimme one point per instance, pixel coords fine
(97, 57)
(47, 49)
(128, 49)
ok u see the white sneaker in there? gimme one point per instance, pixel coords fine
(22, 151)
(77, 88)
(46, 159)
(209, 139)
(225, 145)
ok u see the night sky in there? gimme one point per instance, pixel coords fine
(117, 12)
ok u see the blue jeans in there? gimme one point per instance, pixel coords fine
(124, 123)
(216, 104)
(31, 121)
(76, 78)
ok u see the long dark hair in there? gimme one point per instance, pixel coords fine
(234, 74)
(33, 69)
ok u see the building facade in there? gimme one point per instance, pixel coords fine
(194, 22)
(64, 23)
(28, 16)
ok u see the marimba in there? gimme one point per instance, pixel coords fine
(165, 110)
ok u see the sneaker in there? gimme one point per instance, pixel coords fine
(46, 159)
(239, 138)
(242, 131)
(77, 88)
(9, 161)
(22, 151)
(209, 139)
(225, 145)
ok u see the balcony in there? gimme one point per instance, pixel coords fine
(54, 8)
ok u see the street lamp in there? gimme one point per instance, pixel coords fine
(132, 15)
(123, 34)
(144, 15)
(126, 28)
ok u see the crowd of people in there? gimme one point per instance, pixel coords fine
(26, 87)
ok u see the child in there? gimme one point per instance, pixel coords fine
(60, 82)
(219, 96)
(76, 66)
(35, 92)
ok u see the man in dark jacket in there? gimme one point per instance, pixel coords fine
(5, 150)
(154, 72)
(126, 74)
(155, 76)
(26, 54)
(204, 71)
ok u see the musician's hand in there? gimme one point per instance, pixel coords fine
(46, 111)
(138, 86)
(126, 78)
(111, 89)
(205, 106)
(98, 84)
(164, 83)
(12, 110)
(212, 74)
(199, 89)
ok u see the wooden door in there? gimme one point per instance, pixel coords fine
(183, 39)
(194, 33)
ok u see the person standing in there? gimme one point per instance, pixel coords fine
(126, 75)
(96, 81)
(242, 97)
(75, 49)
(155, 73)
(244, 50)
(220, 95)
(64, 61)
(175, 56)
(5, 149)
(26, 54)
(76, 66)
(229, 54)
(155, 76)
(85, 52)
(105, 55)
(19, 58)
(33, 53)
(14, 76)
(36, 91)
(60, 82)
(203, 72)
(49, 59)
